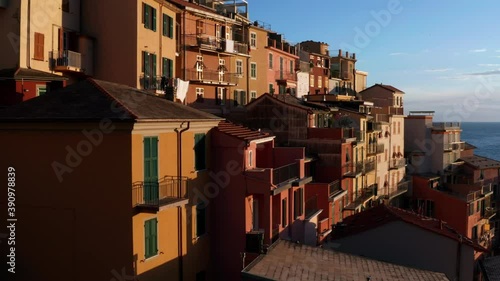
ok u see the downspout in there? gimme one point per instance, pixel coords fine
(184, 45)
(179, 182)
(28, 47)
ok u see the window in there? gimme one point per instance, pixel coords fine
(429, 208)
(253, 40)
(240, 97)
(150, 170)
(151, 237)
(253, 70)
(471, 209)
(283, 213)
(270, 61)
(474, 232)
(168, 26)
(199, 67)
(199, 151)
(41, 90)
(311, 80)
(200, 219)
(39, 46)
(221, 96)
(320, 82)
(478, 206)
(200, 27)
(168, 68)
(298, 198)
(250, 159)
(239, 67)
(253, 95)
(271, 88)
(149, 64)
(200, 92)
(291, 66)
(222, 69)
(399, 127)
(149, 17)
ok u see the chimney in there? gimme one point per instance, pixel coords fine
(340, 52)
(347, 54)
(354, 55)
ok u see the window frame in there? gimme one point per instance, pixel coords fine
(253, 70)
(200, 160)
(148, 245)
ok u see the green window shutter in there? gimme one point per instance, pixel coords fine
(143, 13)
(165, 23)
(154, 19)
(147, 19)
(164, 67)
(171, 68)
(199, 151)
(153, 69)
(151, 170)
(147, 68)
(171, 27)
(151, 237)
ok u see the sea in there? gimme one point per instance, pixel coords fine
(483, 135)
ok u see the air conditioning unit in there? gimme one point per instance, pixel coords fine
(255, 242)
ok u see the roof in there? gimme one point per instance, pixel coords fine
(491, 268)
(94, 100)
(240, 132)
(290, 261)
(481, 162)
(184, 3)
(290, 100)
(386, 87)
(382, 214)
(29, 74)
(469, 146)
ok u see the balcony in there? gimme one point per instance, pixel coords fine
(446, 126)
(156, 83)
(311, 206)
(370, 166)
(373, 126)
(214, 77)
(395, 164)
(285, 173)
(283, 75)
(65, 60)
(240, 48)
(488, 213)
(151, 196)
(395, 110)
(352, 170)
(454, 146)
(205, 42)
(374, 149)
(364, 196)
(401, 188)
(360, 135)
(344, 75)
(334, 188)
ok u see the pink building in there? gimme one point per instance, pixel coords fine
(258, 196)
(282, 58)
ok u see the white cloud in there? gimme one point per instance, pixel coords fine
(489, 64)
(438, 70)
(478, 51)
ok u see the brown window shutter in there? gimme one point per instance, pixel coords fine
(39, 43)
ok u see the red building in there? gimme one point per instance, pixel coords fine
(319, 61)
(258, 196)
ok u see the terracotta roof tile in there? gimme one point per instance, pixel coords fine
(481, 162)
(382, 214)
(290, 261)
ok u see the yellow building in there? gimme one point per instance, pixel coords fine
(109, 183)
(135, 41)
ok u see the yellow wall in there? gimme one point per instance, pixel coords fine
(195, 249)
(259, 55)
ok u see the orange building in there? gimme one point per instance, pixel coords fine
(111, 189)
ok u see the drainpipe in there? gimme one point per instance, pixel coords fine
(28, 41)
(179, 182)
(184, 45)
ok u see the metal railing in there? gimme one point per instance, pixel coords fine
(284, 75)
(159, 193)
(369, 166)
(454, 146)
(65, 58)
(397, 163)
(401, 188)
(311, 205)
(285, 173)
(488, 212)
(352, 169)
(446, 125)
(211, 76)
(203, 41)
(333, 187)
(148, 82)
(373, 126)
(241, 48)
(360, 135)
(375, 149)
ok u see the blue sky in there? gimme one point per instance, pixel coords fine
(445, 55)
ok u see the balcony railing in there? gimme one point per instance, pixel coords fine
(489, 212)
(397, 163)
(374, 126)
(212, 76)
(370, 166)
(454, 146)
(285, 173)
(284, 75)
(360, 136)
(484, 191)
(203, 41)
(401, 188)
(333, 188)
(65, 60)
(311, 205)
(159, 193)
(352, 169)
(395, 110)
(241, 48)
(446, 125)
(148, 82)
(375, 149)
